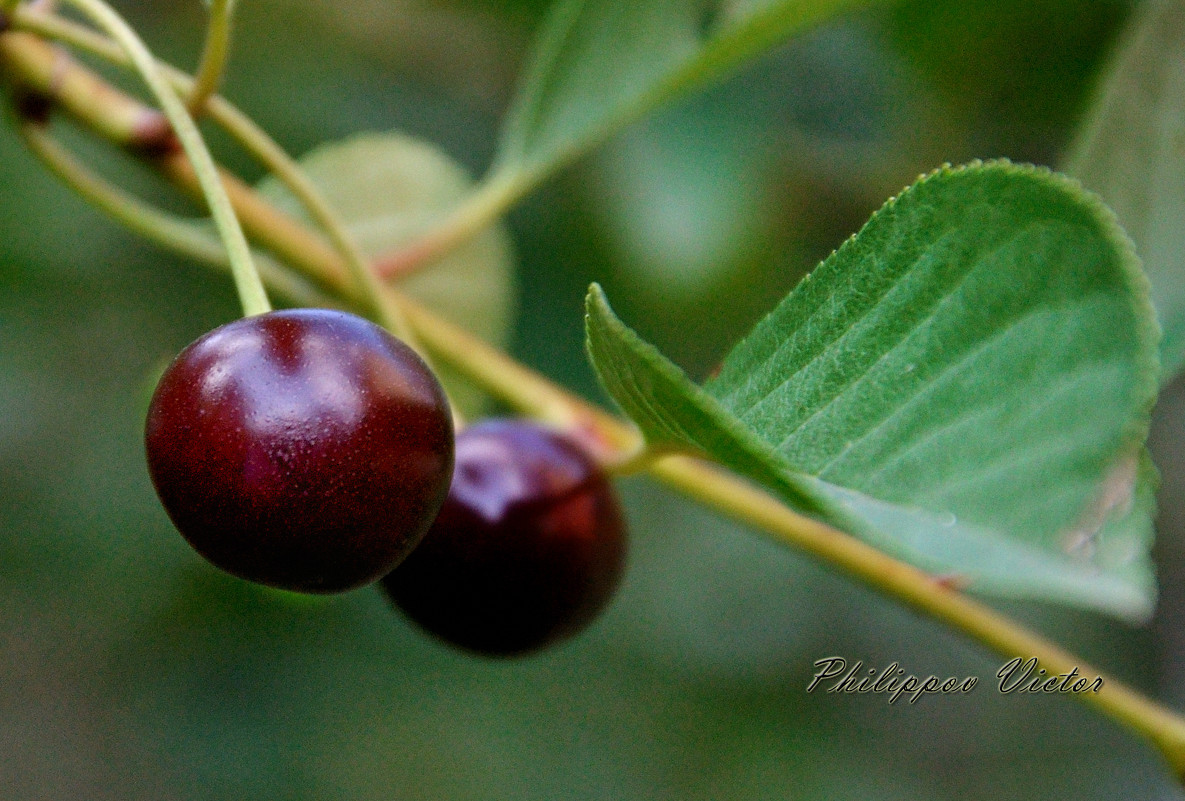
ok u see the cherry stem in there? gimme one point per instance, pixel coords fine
(169, 231)
(609, 437)
(247, 281)
(384, 307)
(214, 56)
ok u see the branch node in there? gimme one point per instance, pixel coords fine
(33, 107)
(152, 136)
(955, 582)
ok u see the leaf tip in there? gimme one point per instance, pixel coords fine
(595, 297)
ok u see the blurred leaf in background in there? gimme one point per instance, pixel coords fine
(1131, 152)
(131, 670)
(388, 189)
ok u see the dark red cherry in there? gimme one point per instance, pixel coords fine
(305, 449)
(527, 549)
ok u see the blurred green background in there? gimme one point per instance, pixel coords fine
(131, 670)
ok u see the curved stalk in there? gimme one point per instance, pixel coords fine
(247, 281)
(214, 56)
(493, 196)
(385, 308)
(167, 230)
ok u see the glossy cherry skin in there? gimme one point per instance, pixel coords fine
(528, 548)
(305, 449)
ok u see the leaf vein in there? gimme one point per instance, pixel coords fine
(906, 335)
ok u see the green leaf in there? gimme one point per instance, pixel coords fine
(955, 385)
(1132, 152)
(672, 412)
(389, 189)
(600, 64)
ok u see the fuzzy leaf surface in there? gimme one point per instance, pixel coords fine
(958, 385)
